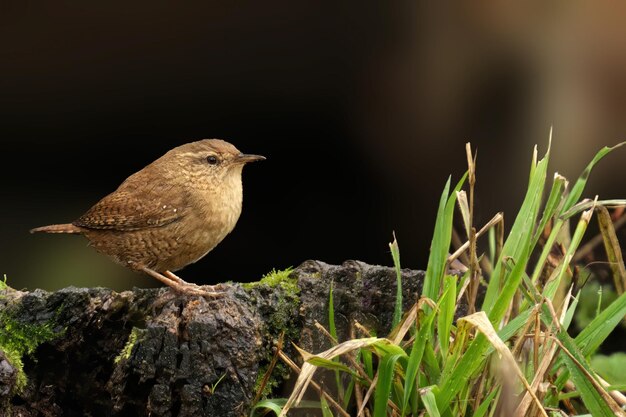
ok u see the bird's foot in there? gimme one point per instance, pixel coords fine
(191, 288)
(181, 286)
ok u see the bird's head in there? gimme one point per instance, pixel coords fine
(207, 163)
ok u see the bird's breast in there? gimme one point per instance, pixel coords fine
(215, 216)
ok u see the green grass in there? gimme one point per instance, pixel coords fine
(514, 348)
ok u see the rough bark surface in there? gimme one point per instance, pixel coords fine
(153, 352)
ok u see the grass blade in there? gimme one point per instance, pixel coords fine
(430, 363)
(590, 338)
(428, 398)
(367, 362)
(547, 247)
(307, 371)
(569, 315)
(333, 332)
(277, 404)
(551, 287)
(559, 185)
(333, 365)
(445, 315)
(586, 204)
(579, 186)
(512, 283)
(594, 396)
(461, 198)
(331, 313)
(415, 358)
(518, 241)
(483, 324)
(484, 405)
(325, 408)
(612, 248)
(452, 382)
(435, 258)
(386, 374)
(440, 244)
(395, 254)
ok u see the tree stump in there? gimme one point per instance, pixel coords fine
(96, 352)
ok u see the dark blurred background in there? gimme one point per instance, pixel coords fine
(362, 109)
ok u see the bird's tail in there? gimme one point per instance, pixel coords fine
(57, 228)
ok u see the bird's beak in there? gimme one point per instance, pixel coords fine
(245, 158)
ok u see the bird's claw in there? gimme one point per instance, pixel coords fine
(193, 289)
(181, 286)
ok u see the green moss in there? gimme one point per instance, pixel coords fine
(15, 358)
(18, 339)
(287, 304)
(281, 317)
(136, 334)
(276, 278)
(280, 373)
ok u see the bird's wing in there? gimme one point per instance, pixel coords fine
(136, 207)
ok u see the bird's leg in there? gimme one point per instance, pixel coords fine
(178, 285)
(214, 288)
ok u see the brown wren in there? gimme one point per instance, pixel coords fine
(170, 214)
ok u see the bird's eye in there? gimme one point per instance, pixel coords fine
(212, 160)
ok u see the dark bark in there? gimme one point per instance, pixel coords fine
(183, 345)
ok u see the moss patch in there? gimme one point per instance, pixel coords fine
(281, 315)
(286, 305)
(280, 373)
(274, 278)
(136, 334)
(18, 339)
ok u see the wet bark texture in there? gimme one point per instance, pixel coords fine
(152, 352)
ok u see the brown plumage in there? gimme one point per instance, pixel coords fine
(169, 214)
